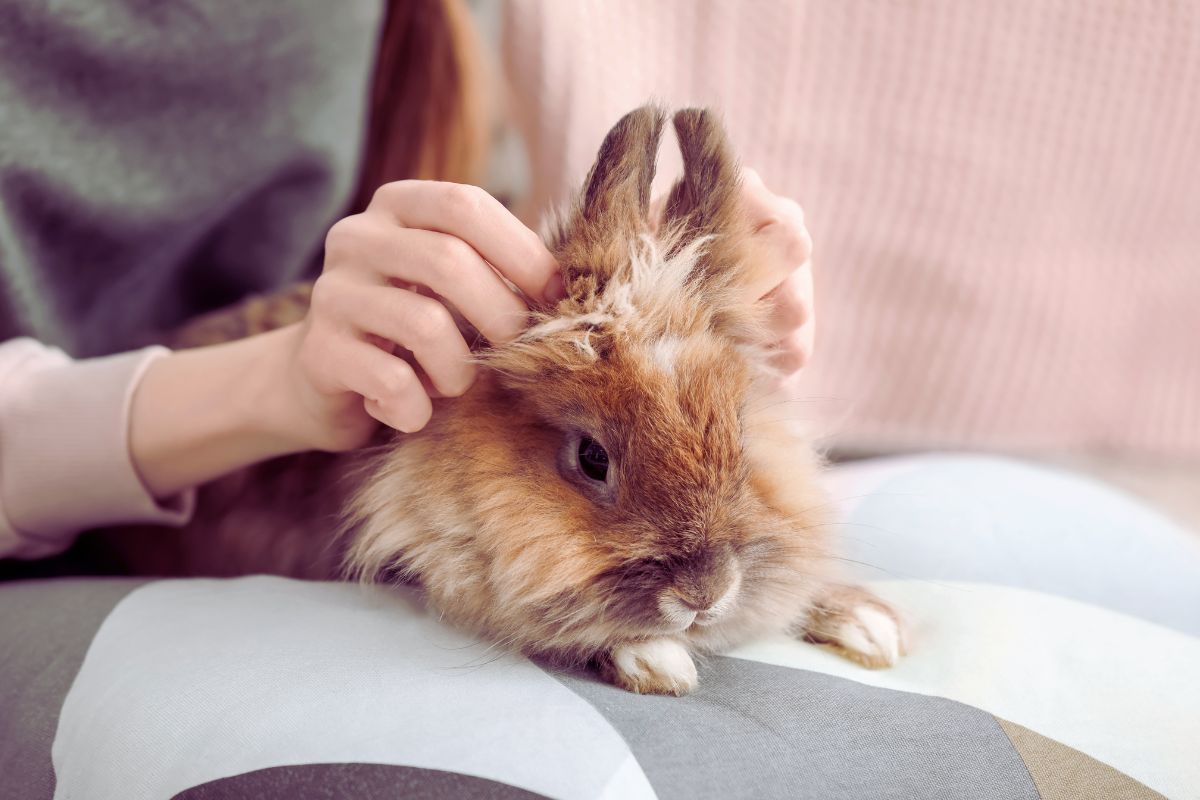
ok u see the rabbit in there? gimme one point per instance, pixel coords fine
(609, 492)
(606, 493)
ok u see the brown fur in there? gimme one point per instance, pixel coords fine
(654, 353)
(251, 317)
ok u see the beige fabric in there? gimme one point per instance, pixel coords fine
(1171, 488)
(1005, 197)
(1062, 773)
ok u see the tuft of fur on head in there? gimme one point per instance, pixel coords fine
(707, 524)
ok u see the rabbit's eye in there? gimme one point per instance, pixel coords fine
(587, 465)
(593, 459)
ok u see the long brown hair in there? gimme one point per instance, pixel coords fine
(428, 113)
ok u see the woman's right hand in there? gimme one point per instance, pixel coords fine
(451, 242)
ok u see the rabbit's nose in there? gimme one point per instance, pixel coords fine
(722, 605)
(704, 603)
(699, 606)
(706, 587)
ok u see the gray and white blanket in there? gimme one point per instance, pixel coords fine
(1055, 640)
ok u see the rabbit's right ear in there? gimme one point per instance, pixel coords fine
(704, 203)
(614, 207)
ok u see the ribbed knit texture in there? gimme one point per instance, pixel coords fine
(1005, 197)
(162, 160)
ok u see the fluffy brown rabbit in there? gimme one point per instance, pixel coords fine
(614, 489)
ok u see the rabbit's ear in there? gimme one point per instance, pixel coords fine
(704, 202)
(618, 187)
(615, 204)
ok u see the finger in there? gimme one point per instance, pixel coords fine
(406, 420)
(792, 353)
(763, 206)
(444, 264)
(791, 303)
(782, 245)
(420, 324)
(779, 237)
(454, 270)
(758, 202)
(471, 214)
(407, 356)
(390, 388)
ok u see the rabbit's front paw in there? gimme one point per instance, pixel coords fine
(857, 625)
(651, 666)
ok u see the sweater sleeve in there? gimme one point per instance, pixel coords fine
(65, 464)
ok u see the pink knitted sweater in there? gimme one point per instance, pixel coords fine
(1004, 197)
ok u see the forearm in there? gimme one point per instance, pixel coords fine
(199, 414)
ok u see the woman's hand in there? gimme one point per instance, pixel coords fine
(781, 238)
(326, 383)
(785, 276)
(387, 272)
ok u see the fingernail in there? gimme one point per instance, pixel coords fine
(555, 289)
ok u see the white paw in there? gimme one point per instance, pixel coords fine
(870, 636)
(654, 666)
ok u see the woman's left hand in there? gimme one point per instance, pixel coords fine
(779, 234)
(785, 280)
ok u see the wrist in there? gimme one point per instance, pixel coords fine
(198, 414)
(278, 413)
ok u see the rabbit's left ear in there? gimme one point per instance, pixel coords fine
(617, 196)
(613, 209)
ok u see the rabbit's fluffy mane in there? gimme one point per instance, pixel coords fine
(651, 298)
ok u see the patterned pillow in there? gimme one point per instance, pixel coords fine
(1056, 636)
